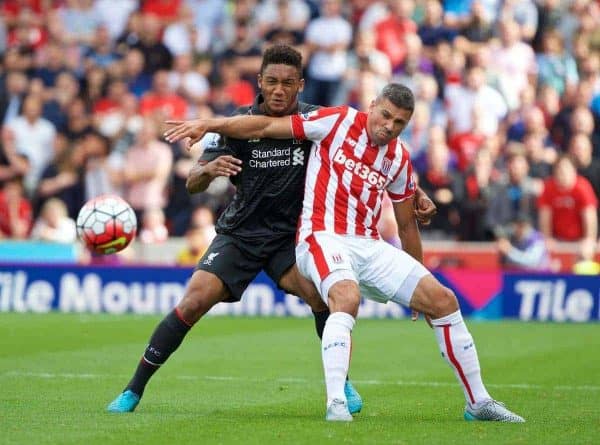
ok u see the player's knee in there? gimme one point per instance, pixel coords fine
(443, 303)
(344, 296)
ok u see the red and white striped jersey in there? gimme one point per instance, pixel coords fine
(347, 174)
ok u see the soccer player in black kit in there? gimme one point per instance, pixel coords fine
(257, 230)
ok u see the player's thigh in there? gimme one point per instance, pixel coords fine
(233, 263)
(388, 273)
(281, 267)
(325, 260)
(203, 291)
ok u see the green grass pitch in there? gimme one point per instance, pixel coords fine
(259, 381)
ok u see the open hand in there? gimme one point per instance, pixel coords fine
(193, 130)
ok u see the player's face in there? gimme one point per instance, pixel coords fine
(280, 85)
(386, 121)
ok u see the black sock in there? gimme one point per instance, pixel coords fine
(320, 319)
(166, 338)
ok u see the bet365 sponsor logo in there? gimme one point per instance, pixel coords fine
(363, 171)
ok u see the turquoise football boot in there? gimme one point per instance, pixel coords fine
(124, 403)
(355, 402)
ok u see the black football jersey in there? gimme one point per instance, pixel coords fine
(270, 187)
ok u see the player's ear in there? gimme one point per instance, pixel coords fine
(259, 81)
(301, 87)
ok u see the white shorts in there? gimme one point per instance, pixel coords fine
(383, 272)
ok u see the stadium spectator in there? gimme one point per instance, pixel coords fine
(444, 187)
(12, 94)
(433, 29)
(568, 205)
(63, 177)
(540, 157)
(187, 82)
(521, 246)
(580, 150)
(182, 37)
(162, 102)
(291, 15)
(114, 14)
(153, 229)
(514, 62)
(195, 246)
(101, 51)
(237, 90)
(30, 135)
(54, 224)
(146, 170)
(474, 94)
(474, 199)
(156, 55)
(99, 177)
(524, 13)
(556, 68)
(138, 81)
(391, 31)
(79, 20)
(515, 196)
(244, 51)
(16, 215)
(328, 38)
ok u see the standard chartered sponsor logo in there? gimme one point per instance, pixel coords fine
(277, 157)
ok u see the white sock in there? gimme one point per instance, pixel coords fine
(458, 348)
(336, 345)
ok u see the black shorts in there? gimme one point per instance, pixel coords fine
(237, 262)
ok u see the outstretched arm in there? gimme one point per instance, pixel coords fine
(238, 127)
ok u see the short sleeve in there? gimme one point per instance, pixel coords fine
(316, 125)
(403, 185)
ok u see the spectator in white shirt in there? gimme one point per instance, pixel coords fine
(53, 224)
(328, 38)
(31, 136)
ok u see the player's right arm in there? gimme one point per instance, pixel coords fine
(237, 127)
(204, 172)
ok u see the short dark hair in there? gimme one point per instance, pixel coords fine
(399, 95)
(281, 54)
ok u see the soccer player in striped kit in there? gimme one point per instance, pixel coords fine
(354, 158)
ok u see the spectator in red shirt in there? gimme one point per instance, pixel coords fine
(390, 31)
(166, 10)
(16, 215)
(567, 206)
(162, 100)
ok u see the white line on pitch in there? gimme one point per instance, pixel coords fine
(48, 375)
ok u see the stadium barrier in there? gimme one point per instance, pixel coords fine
(155, 290)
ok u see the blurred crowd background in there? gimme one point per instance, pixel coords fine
(505, 137)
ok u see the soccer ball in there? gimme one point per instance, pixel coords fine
(106, 224)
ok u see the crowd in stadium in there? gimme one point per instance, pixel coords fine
(505, 137)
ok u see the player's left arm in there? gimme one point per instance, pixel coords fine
(408, 230)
